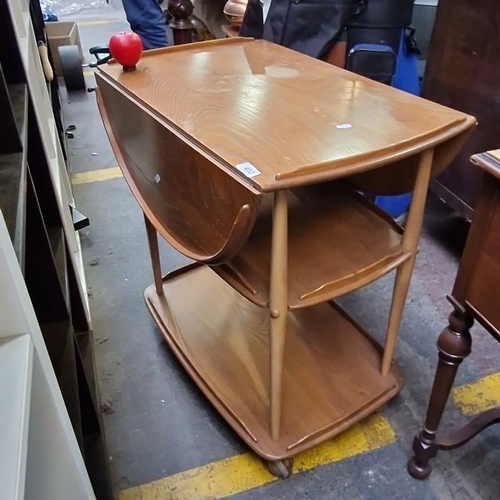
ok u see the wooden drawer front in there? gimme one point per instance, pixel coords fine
(484, 290)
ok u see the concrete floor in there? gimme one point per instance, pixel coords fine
(156, 421)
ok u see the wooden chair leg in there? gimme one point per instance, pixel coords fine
(410, 244)
(278, 306)
(454, 346)
(155, 255)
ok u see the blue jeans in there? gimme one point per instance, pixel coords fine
(147, 20)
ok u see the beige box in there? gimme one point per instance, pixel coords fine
(62, 33)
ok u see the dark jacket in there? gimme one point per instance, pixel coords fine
(308, 26)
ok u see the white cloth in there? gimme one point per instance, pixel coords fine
(266, 4)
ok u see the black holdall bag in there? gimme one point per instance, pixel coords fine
(311, 27)
(384, 14)
(380, 22)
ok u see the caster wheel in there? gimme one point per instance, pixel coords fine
(71, 66)
(280, 468)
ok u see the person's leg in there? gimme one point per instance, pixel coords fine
(147, 20)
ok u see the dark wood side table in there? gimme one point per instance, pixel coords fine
(474, 297)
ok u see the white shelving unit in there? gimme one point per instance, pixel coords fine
(39, 455)
(16, 368)
(28, 48)
(52, 444)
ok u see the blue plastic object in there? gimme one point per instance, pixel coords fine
(406, 74)
(405, 78)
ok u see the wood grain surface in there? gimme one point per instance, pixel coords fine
(495, 153)
(203, 211)
(296, 119)
(482, 244)
(337, 242)
(489, 162)
(223, 342)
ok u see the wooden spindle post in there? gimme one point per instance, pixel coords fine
(410, 244)
(180, 23)
(155, 255)
(278, 306)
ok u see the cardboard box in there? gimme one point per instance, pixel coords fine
(62, 33)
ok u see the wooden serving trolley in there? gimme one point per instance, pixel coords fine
(247, 158)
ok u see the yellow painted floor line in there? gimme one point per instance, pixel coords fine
(102, 174)
(97, 21)
(478, 396)
(244, 472)
(88, 72)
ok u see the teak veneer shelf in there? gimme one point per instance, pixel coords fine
(319, 218)
(228, 357)
(247, 158)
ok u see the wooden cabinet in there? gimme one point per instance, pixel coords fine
(463, 71)
(486, 262)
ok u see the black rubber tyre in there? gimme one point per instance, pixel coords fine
(71, 66)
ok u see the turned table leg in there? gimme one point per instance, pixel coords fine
(454, 345)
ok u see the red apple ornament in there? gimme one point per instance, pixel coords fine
(126, 48)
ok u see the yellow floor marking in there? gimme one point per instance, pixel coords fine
(88, 72)
(478, 396)
(102, 174)
(97, 21)
(244, 472)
